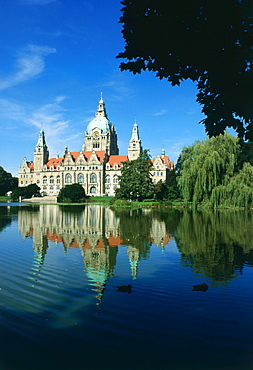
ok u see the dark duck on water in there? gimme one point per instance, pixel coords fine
(125, 288)
(200, 287)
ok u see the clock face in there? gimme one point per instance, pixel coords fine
(96, 134)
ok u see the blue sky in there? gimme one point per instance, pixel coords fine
(56, 57)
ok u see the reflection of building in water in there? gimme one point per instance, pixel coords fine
(159, 233)
(134, 258)
(92, 229)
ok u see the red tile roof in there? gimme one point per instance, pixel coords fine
(54, 161)
(100, 155)
(165, 160)
(117, 159)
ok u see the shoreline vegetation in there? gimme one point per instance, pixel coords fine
(122, 203)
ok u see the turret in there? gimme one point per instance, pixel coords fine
(134, 147)
(41, 153)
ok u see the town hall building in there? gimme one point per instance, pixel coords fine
(97, 166)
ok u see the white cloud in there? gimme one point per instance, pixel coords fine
(50, 117)
(162, 112)
(30, 63)
(10, 110)
(118, 85)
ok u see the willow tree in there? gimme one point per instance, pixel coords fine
(207, 165)
(238, 192)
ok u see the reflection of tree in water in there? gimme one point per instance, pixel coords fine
(217, 243)
(6, 216)
(135, 226)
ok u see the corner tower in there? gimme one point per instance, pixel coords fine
(134, 147)
(41, 153)
(100, 133)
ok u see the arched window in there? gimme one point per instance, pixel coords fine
(93, 190)
(58, 179)
(95, 144)
(80, 178)
(44, 179)
(68, 179)
(93, 178)
(51, 179)
(107, 179)
(115, 179)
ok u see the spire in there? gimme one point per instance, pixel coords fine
(101, 111)
(134, 147)
(41, 140)
(135, 133)
(41, 153)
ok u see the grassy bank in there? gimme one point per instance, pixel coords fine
(4, 199)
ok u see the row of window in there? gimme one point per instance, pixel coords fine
(80, 179)
(108, 167)
(71, 168)
(157, 173)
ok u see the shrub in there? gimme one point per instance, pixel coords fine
(71, 194)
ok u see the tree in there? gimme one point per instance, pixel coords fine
(135, 181)
(71, 193)
(238, 192)
(166, 189)
(25, 191)
(207, 165)
(208, 42)
(7, 181)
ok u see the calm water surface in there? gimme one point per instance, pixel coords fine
(60, 306)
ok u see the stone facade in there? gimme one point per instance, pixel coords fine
(96, 167)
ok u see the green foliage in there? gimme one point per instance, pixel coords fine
(71, 194)
(7, 181)
(135, 182)
(246, 154)
(207, 42)
(167, 190)
(25, 192)
(217, 243)
(121, 203)
(160, 190)
(207, 165)
(238, 192)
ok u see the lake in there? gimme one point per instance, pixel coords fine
(86, 287)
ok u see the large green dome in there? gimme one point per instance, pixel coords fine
(99, 122)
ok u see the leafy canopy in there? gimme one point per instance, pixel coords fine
(207, 165)
(7, 181)
(25, 191)
(71, 193)
(135, 181)
(209, 42)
